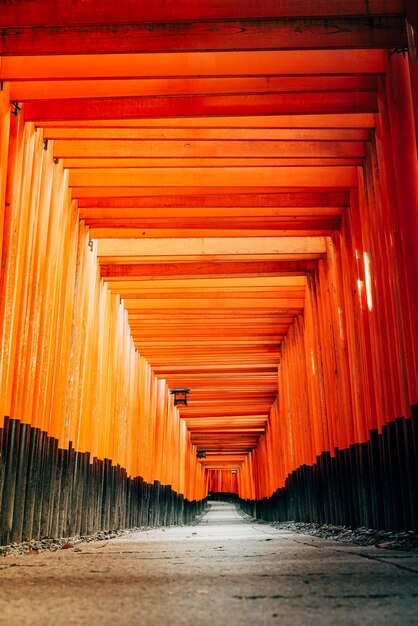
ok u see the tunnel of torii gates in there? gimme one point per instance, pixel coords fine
(219, 196)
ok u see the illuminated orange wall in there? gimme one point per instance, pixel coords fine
(67, 363)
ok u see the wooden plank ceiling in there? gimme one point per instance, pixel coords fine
(212, 150)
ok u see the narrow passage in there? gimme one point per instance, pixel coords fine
(228, 570)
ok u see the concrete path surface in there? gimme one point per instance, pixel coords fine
(226, 571)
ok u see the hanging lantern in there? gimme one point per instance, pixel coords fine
(201, 454)
(180, 395)
(233, 471)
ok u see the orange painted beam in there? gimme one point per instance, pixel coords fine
(185, 106)
(132, 87)
(201, 133)
(259, 200)
(286, 62)
(218, 214)
(209, 268)
(148, 193)
(289, 122)
(129, 148)
(343, 176)
(184, 162)
(206, 248)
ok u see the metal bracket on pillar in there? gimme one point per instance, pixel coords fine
(16, 108)
(401, 51)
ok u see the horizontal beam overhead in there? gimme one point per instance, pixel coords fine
(284, 62)
(213, 35)
(206, 268)
(285, 122)
(185, 162)
(201, 134)
(135, 87)
(278, 198)
(185, 106)
(205, 247)
(344, 176)
(192, 149)
(24, 13)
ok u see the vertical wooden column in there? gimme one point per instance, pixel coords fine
(400, 111)
(4, 150)
(412, 31)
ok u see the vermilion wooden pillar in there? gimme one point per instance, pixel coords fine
(412, 31)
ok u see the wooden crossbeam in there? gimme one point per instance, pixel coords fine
(196, 105)
(213, 35)
(336, 121)
(208, 268)
(99, 148)
(25, 14)
(134, 87)
(256, 199)
(208, 247)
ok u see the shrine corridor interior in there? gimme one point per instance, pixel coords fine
(208, 241)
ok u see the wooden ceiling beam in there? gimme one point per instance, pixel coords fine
(208, 247)
(185, 106)
(203, 64)
(22, 91)
(199, 134)
(343, 176)
(131, 148)
(156, 215)
(239, 293)
(25, 13)
(214, 283)
(184, 162)
(254, 199)
(288, 229)
(195, 270)
(214, 35)
(85, 193)
(285, 122)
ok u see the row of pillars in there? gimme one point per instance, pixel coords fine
(371, 484)
(47, 491)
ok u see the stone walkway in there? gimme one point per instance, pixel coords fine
(226, 571)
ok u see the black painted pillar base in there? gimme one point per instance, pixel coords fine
(46, 491)
(372, 484)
